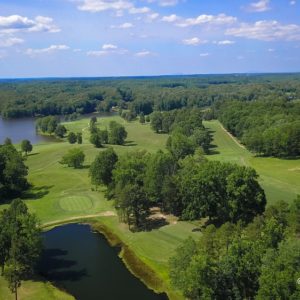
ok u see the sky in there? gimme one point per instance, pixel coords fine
(77, 38)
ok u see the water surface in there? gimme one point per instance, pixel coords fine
(82, 263)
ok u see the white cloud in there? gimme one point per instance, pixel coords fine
(10, 41)
(51, 49)
(193, 41)
(266, 31)
(109, 47)
(260, 6)
(220, 19)
(141, 10)
(117, 5)
(204, 54)
(106, 50)
(170, 19)
(123, 26)
(16, 23)
(143, 53)
(293, 2)
(225, 42)
(165, 3)
(271, 50)
(152, 17)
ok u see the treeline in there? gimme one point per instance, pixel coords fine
(186, 130)
(190, 188)
(258, 261)
(270, 128)
(19, 98)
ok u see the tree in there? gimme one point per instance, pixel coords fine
(95, 139)
(47, 124)
(147, 119)
(202, 138)
(142, 118)
(79, 138)
(26, 146)
(156, 121)
(102, 167)
(280, 272)
(13, 172)
(133, 206)
(74, 158)
(117, 133)
(23, 245)
(60, 131)
(7, 141)
(180, 146)
(72, 138)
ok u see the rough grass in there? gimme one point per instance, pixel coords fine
(280, 178)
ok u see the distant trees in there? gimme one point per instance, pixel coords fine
(47, 124)
(60, 131)
(102, 167)
(13, 172)
(26, 146)
(74, 158)
(269, 128)
(20, 244)
(142, 118)
(79, 137)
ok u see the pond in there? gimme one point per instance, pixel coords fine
(86, 266)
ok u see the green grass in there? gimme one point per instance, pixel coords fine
(60, 193)
(280, 178)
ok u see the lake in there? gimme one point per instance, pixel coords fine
(21, 129)
(86, 266)
(24, 128)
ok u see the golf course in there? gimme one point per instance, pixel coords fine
(65, 195)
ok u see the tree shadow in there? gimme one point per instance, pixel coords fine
(212, 151)
(36, 192)
(155, 223)
(130, 143)
(54, 267)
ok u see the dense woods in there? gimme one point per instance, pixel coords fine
(270, 128)
(257, 261)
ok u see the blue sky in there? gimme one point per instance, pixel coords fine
(45, 38)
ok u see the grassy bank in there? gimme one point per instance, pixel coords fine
(61, 194)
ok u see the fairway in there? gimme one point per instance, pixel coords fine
(280, 178)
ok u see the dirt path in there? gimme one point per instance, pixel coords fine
(102, 214)
(234, 138)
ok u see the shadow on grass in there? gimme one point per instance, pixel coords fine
(36, 192)
(155, 223)
(130, 143)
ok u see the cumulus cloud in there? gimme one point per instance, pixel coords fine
(51, 49)
(9, 41)
(116, 5)
(126, 25)
(266, 31)
(164, 3)
(225, 42)
(170, 19)
(204, 54)
(260, 6)
(16, 23)
(195, 41)
(143, 53)
(221, 19)
(107, 49)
